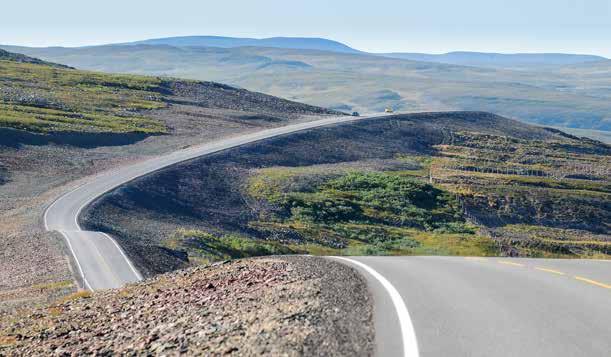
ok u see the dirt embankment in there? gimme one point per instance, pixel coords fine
(274, 306)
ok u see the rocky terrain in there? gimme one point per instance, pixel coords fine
(363, 188)
(289, 306)
(50, 155)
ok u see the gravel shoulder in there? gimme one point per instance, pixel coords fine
(291, 305)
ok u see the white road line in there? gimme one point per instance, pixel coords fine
(138, 276)
(410, 343)
(78, 264)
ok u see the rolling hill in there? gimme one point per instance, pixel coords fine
(58, 125)
(38, 96)
(573, 96)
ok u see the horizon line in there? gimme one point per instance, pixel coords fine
(512, 52)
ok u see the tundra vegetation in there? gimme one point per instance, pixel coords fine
(477, 195)
(43, 98)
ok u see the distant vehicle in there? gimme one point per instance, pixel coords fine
(389, 110)
(356, 114)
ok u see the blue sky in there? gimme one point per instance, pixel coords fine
(435, 26)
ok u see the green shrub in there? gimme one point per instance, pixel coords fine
(206, 247)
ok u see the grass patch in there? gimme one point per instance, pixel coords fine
(366, 213)
(79, 295)
(43, 98)
(203, 247)
(54, 285)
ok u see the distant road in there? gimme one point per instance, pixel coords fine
(100, 261)
(492, 306)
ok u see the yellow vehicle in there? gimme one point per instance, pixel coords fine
(389, 110)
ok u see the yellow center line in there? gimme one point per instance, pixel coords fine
(593, 282)
(550, 271)
(510, 263)
(477, 259)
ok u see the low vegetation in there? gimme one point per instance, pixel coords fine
(537, 198)
(350, 213)
(44, 98)
(365, 213)
(421, 184)
(204, 248)
(565, 96)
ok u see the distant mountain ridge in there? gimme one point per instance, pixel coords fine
(302, 43)
(499, 59)
(465, 58)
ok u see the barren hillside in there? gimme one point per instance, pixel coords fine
(58, 125)
(463, 183)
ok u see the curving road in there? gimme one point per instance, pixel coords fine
(424, 306)
(490, 306)
(100, 261)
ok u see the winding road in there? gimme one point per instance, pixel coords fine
(100, 261)
(424, 306)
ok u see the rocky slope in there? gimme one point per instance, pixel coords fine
(289, 306)
(282, 195)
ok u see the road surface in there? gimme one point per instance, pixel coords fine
(99, 259)
(460, 306)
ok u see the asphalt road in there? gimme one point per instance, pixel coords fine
(491, 306)
(427, 306)
(100, 261)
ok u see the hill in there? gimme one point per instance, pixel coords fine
(38, 96)
(500, 60)
(482, 59)
(320, 44)
(59, 125)
(574, 96)
(456, 183)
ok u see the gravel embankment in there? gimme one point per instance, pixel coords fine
(268, 306)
